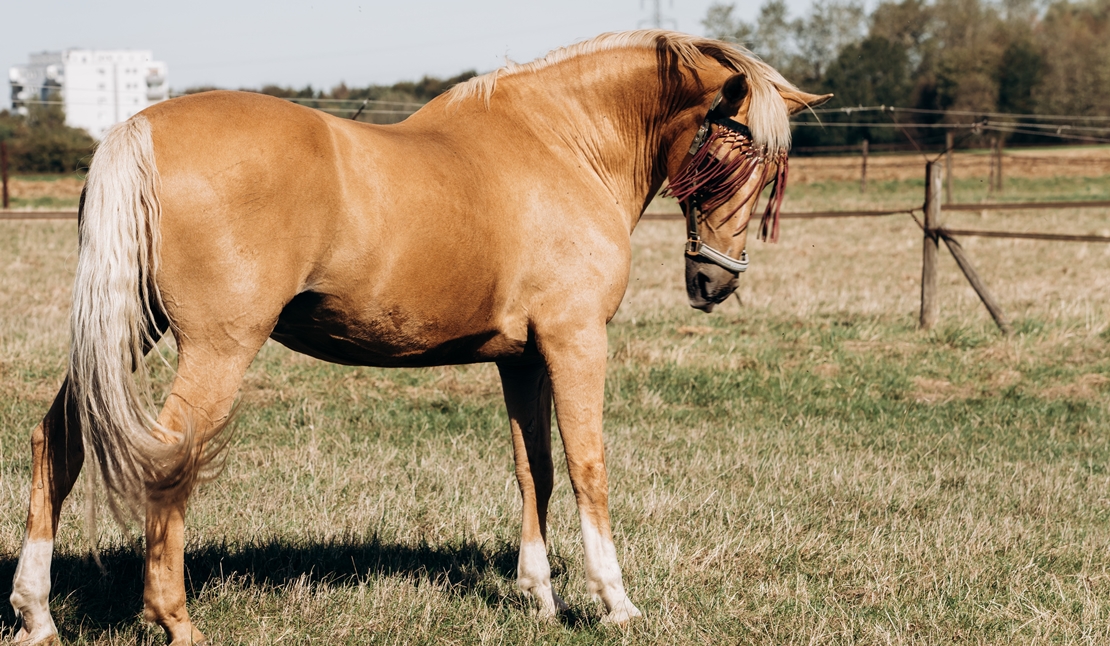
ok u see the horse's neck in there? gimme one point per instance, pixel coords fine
(605, 108)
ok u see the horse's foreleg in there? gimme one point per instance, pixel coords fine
(199, 403)
(576, 359)
(56, 457)
(528, 400)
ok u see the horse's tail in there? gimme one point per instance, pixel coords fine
(113, 324)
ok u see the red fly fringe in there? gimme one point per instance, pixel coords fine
(708, 182)
(769, 223)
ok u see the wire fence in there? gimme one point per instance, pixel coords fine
(930, 224)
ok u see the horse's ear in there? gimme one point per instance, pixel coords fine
(798, 101)
(735, 89)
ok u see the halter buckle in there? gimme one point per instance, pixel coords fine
(699, 138)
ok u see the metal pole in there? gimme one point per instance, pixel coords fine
(929, 255)
(948, 145)
(863, 170)
(4, 170)
(115, 92)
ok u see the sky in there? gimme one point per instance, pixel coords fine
(232, 44)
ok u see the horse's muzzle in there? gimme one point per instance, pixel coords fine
(708, 284)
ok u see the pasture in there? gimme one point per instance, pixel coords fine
(801, 466)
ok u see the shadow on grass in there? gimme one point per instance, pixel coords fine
(81, 596)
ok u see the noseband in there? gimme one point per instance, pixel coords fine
(720, 162)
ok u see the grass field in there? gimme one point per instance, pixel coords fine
(803, 466)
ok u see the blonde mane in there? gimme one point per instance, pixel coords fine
(767, 116)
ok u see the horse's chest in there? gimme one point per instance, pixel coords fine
(329, 329)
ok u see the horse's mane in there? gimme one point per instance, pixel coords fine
(768, 117)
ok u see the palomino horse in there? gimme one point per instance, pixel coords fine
(492, 225)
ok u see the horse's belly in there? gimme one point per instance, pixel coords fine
(313, 325)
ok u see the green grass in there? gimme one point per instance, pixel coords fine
(807, 467)
(46, 177)
(911, 193)
(45, 202)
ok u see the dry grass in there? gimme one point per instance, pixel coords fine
(804, 467)
(31, 187)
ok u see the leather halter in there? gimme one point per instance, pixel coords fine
(695, 247)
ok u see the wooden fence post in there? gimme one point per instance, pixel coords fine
(990, 179)
(863, 170)
(4, 170)
(998, 166)
(929, 255)
(948, 145)
(977, 284)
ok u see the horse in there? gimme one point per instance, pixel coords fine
(493, 225)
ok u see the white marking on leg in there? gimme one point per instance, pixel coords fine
(31, 591)
(603, 574)
(533, 576)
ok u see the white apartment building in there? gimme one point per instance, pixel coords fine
(98, 88)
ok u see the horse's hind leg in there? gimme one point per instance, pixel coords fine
(199, 403)
(528, 399)
(56, 456)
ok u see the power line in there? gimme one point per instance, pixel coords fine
(957, 126)
(883, 124)
(962, 113)
(405, 108)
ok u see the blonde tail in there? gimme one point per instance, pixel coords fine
(114, 300)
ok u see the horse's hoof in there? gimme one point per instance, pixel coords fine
(620, 616)
(551, 609)
(560, 605)
(45, 637)
(193, 638)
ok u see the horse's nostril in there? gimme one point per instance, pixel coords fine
(703, 286)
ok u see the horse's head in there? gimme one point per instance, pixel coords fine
(718, 179)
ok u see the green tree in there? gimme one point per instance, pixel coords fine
(819, 37)
(872, 72)
(1076, 46)
(1019, 73)
(800, 48)
(41, 142)
(770, 36)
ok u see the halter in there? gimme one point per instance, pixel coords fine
(707, 181)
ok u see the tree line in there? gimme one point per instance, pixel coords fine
(1039, 57)
(1029, 57)
(41, 142)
